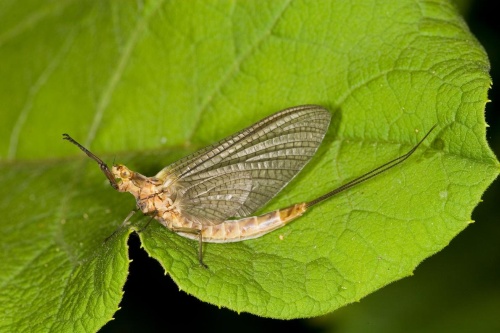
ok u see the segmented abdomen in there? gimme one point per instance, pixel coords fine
(250, 227)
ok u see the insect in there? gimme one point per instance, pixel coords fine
(211, 194)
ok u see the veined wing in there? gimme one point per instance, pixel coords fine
(240, 173)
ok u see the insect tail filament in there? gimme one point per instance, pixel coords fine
(384, 167)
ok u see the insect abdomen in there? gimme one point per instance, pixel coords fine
(251, 227)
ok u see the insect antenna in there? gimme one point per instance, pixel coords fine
(375, 172)
(102, 165)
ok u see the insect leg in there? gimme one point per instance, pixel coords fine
(124, 223)
(147, 224)
(196, 232)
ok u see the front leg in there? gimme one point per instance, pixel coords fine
(124, 224)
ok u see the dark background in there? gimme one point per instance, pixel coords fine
(456, 290)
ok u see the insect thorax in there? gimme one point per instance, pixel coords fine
(153, 198)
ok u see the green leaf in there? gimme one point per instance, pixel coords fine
(147, 84)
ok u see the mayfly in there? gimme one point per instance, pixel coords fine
(211, 194)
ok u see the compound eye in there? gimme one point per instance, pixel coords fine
(125, 174)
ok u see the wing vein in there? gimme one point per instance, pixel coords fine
(239, 174)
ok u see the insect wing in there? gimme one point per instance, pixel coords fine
(239, 174)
